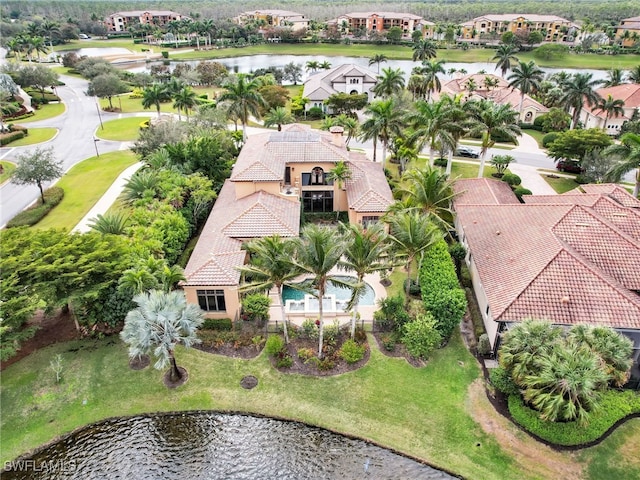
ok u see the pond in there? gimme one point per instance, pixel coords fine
(210, 445)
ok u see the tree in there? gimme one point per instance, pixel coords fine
(394, 35)
(271, 265)
(319, 250)
(293, 72)
(243, 94)
(411, 233)
(159, 323)
(185, 99)
(505, 54)
(378, 58)
(633, 75)
(420, 336)
(37, 76)
(106, 86)
(534, 37)
(430, 71)
(578, 90)
(385, 120)
(366, 252)
(37, 168)
(278, 116)
(615, 77)
(491, 120)
(340, 173)
(501, 163)
(574, 144)
(611, 107)
(154, 95)
(390, 82)
(312, 65)
(526, 77)
(424, 49)
(628, 152)
(346, 103)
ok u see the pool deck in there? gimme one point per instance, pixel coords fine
(366, 311)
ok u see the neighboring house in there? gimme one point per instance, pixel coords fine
(552, 27)
(347, 78)
(381, 22)
(122, 21)
(276, 175)
(496, 89)
(274, 18)
(628, 32)
(629, 93)
(570, 259)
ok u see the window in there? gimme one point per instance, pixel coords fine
(369, 220)
(317, 201)
(316, 177)
(211, 300)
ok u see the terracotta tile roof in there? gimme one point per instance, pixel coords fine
(368, 190)
(628, 92)
(567, 291)
(485, 191)
(618, 193)
(260, 215)
(509, 17)
(573, 198)
(389, 15)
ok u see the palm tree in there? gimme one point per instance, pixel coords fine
(378, 58)
(36, 44)
(49, 29)
(411, 233)
(185, 99)
(490, 120)
(16, 46)
(159, 323)
(154, 95)
(312, 65)
(367, 252)
(385, 120)
(578, 90)
(113, 223)
(390, 82)
(633, 75)
(340, 173)
(278, 116)
(615, 77)
(271, 265)
(430, 70)
(319, 251)
(349, 124)
(433, 125)
(526, 77)
(611, 107)
(424, 49)
(628, 150)
(325, 65)
(471, 86)
(429, 192)
(505, 54)
(243, 93)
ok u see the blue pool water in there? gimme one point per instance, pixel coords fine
(369, 297)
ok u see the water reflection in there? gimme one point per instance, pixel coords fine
(206, 445)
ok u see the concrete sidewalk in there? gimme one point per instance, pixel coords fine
(109, 197)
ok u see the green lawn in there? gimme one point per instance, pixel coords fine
(83, 186)
(45, 112)
(123, 129)
(561, 184)
(617, 457)
(36, 135)
(65, 71)
(535, 134)
(7, 171)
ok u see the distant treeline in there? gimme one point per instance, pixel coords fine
(449, 11)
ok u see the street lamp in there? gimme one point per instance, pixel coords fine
(99, 116)
(95, 144)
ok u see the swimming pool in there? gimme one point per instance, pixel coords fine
(341, 294)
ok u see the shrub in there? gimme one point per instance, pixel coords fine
(503, 382)
(501, 163)
(305, 354)
(388, 341)
(315, 113)
(352, 352)
(441, 293)
(220, 324)
(274, 345)
(548, 138)
(520, 191)
(512, 179)
(392, 314)
(326, 364)
(165, 54)
(310, 329)
(284, 362)
(331, 333)
(440, 162)
(414, 287)
(484, 345)
(256, 306)
(421, 336)
(582, 179)
(52, 196)
(7, 138)
(137, 93)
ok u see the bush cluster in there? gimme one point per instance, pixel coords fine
(391, 314)
(502, 381)
(7, 138)
(220, 324)
(511, 179)
(548, 138)
(421, 336)
(274, 345)
(351, 351)
(52, 197)
(441, 292)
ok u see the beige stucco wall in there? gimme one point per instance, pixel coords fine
(244, 189)
(231, 299)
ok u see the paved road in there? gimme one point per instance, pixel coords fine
(73, 143)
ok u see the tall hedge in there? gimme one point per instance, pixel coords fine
(441, 292)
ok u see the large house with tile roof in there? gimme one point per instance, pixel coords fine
(570, 259)
(277, 175)
(124, 21)
(552, 27)
(593, 117)
(274, 18)
(381, 22)
(346, 78)
(496, 88)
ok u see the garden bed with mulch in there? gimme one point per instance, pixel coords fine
(246, 342)
(398, 350)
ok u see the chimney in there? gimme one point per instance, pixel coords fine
(336, 133)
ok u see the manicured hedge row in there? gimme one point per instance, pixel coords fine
(221, 324)
(615, 406)
(441, 292)
(52, 196)
(7, 138)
